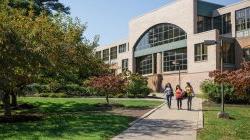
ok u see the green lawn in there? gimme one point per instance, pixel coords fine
(237, 128)
(73, 118)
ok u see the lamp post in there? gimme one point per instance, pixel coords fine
(179, 67)
(221, 114)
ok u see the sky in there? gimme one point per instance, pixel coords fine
(110, 18)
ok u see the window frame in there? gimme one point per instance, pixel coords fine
(242, 22)
(113, 53)
(105, 55)
(170, 56)
(122, 48)
(144, 64)
(124, 65)
(201, 54)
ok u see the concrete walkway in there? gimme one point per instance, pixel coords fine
(167, 124)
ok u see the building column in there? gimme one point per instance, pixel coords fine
(159, 63)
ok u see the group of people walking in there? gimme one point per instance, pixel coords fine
(180, 95)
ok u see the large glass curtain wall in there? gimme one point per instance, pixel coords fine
(156, 36)
(159, 35)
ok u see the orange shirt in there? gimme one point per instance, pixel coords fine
(178, 94)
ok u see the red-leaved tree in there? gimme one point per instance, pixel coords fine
(108, 84)
(239, 79)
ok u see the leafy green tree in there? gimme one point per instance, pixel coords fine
(33, 49)
(39, 6)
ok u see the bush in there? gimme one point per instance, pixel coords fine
(212, 91)
(76, 90)
(52, 95)
(36, 88)
(137, 86)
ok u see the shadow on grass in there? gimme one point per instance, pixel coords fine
(67, 126)
(68, 120)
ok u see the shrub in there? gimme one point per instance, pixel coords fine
(212, 91)
(36, 88)
(52, 95)
(137, 86)
(76, 90)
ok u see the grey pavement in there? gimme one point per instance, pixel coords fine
(167, 124)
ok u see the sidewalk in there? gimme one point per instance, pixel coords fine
(167, 124)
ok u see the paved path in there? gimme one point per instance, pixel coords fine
(167, 124)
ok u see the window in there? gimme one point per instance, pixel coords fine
(200, 52)
(223, 23)
(204, 24)
(144, 64)
(226, 23)
(105, 55)
(98, 55)
(124, 64)
(218, 23)
(228, 53)
(159, 35)
(122, 48)
(178, 55)
(243, 22)
(113, 53)
(246, 53)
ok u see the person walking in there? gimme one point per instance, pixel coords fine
(190, 93)
(168, 94)
(178, 94)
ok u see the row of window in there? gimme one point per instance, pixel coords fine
(223, 23)
(174, 60)
(159, 35)
(112, 52)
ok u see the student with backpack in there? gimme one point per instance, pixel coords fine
(178, 94)
(190, 93)
(168, 94)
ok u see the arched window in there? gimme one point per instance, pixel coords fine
(160, 34)
(167, 39)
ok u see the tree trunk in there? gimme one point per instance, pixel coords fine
(6, 103)
(13, 99)
(107, 98)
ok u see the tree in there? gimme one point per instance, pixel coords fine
(32, 47)
(39, 6)
(108, 84)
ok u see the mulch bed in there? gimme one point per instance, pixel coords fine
(130, 112)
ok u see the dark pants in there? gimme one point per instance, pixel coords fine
(189, 102)
(179, 103)
(169, 99)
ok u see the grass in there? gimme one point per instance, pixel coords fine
(237, 128)
(73, 118)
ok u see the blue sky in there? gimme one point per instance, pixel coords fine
(109, 18)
